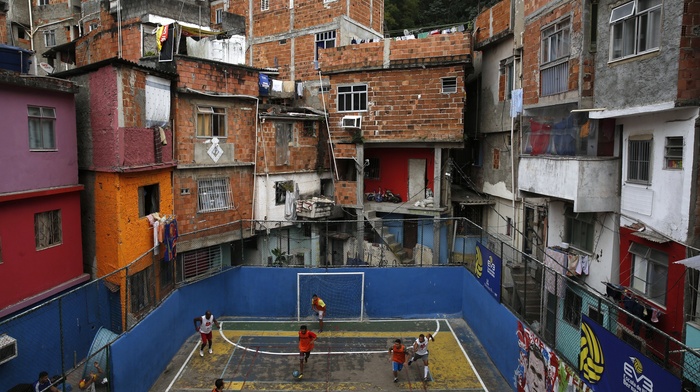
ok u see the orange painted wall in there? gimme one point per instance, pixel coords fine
(120, 234)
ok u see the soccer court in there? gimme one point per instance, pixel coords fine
(348, 356)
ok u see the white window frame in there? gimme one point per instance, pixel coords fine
(449, 85)
(214, 194)
(637, 31)
(264, 5)
(42, 128)
(352, 98)
(673, 153)
(639, 155)
(49, 38)
(219, 17)
(213, 113)
(643, 279)
(554, 57)
(42, 2)
(324, 40)
(48, 231)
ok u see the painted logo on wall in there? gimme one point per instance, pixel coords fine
(607, 363)
(488, 270)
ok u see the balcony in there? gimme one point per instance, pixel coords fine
(592, 183)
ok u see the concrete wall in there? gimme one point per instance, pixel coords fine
(641, 80)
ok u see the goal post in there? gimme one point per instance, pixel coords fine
(343, 293)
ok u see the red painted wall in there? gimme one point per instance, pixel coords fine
(24, 271)
(672, 321)
(393, 168)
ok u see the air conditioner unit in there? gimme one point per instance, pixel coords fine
(352, 122)
(8, 348)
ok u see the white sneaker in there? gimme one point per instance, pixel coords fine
(210, 351)
(201, 353)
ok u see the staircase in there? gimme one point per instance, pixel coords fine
(388, 239)
(527, 292)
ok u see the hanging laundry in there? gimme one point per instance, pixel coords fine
(156, 244)
(614, 291)
(554, 279)
(539, 137)
(288, 86)
(516, 102)
(277, 85)
(583, 263)
(300, 89)
(572, 266)
(170, 240)
(264, 84)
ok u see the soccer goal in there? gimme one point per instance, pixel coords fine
(343, 293)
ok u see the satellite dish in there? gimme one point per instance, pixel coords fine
(46, 67)
(406, 33)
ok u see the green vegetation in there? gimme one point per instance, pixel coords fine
(414, 14)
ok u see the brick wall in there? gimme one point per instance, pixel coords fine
(346, 193)
(210, 76)
(532, 51)
(344, 150)
(404, 105)
(303, 151)
(3, 25)
(492, 22)
(689, 66)
(432, 50)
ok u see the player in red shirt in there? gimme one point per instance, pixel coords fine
(306, 344)
(398, 358)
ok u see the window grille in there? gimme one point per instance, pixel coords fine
(638, 163)
(214, 195)
(201, 262)
(449, 85)
(673, 155)
(47, 229)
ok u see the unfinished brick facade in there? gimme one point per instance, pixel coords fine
(492, 24)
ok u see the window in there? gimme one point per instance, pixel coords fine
(352, 98)
(310, 128)
(324, 40)
(579, 229)
(50, 38)
(211, 121)
(42, 122)
(506, 80)
(635, 28)
(219, 15)
(639, 161)
(214, 195)
(673, 156)
(649, 272)
(264, 5)
(43, 2)
(471, 225)
(47, 229)
(284, 136)
(141, 290)
(281, 188)
(201, 262)
(556, 43)
(149, 199)
(449, 85)
(496, 158)
(572, 308)
(372, 170)
(93, 26)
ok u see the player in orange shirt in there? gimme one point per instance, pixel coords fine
(398, 358)
(319, 307)
(306, 344)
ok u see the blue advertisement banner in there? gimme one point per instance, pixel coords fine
(488, 270)
(607, 363)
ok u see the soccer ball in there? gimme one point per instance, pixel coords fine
(295, 374)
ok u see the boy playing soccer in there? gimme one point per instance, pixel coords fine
(398, 358)
(319, 307)
(420, 351)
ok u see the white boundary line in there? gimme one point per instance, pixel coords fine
(221, 332)
(467, 356)
(182, 368)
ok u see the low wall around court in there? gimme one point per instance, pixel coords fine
(139, 356)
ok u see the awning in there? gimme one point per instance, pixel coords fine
(468, 197)
(690, 262)
(651, 236)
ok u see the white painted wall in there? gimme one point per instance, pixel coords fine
(265, 208)
(664, 205)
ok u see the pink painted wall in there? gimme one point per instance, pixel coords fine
(21, 169)
(25, 271)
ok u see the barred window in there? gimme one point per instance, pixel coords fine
(214, 195)
(639, 161)
(449, 85)
(324, 40)
(47, 229)
(264, 5)
(572, 308)
(673, 155)
(141, 290)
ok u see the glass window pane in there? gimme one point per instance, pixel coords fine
(646, 4)
(34, 111)
(658, 276)
(640, 274)
(622, 12)
(48, 134)
(34, 133)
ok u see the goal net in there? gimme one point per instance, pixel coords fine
(343, 293)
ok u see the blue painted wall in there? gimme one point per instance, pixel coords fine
(494, 325)
(73, 319)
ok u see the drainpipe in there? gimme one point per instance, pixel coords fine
(31, 35)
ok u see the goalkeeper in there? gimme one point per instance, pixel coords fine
(319, 307)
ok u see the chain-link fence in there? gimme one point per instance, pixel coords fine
(552, 303)
(79, 326)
